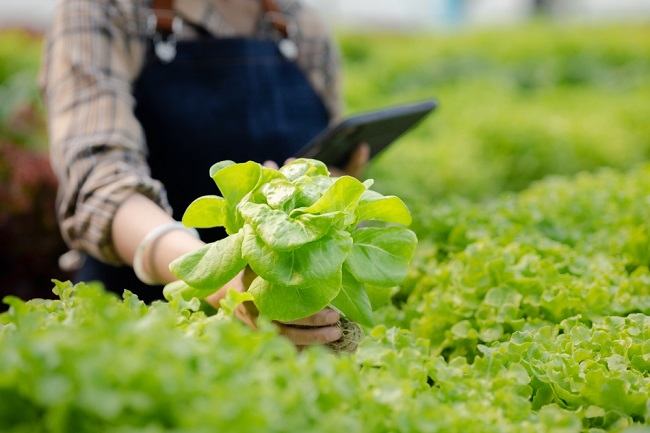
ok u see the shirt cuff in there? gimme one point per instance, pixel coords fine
(90, 229)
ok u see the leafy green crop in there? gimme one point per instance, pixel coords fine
(559, 249)
(516, 104)
(312, 240)
(526, 314)
(90, 362)
(600, 370)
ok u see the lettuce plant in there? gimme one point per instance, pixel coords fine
(312, 240)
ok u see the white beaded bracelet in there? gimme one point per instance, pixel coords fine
(148, 243)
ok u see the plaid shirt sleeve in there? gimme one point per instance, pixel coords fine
(319, 58)
(97, 146)
(94, 52)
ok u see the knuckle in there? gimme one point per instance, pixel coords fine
(321, 337)
(333, 315)
(335, 334)
(329, 334)
(318, 319)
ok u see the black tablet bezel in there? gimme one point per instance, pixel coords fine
(378, 129)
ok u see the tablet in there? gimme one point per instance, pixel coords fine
(378, 129)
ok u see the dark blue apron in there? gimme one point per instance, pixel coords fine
(237, 99)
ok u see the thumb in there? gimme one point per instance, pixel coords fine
(358, 160)
(270, 164)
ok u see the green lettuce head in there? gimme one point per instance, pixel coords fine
(313, 240)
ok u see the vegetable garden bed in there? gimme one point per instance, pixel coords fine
(531, 315)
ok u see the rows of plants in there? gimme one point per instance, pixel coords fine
(554, 278)
(516, 104)
(528, 315)
(553, 251)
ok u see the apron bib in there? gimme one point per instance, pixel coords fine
(237, 99)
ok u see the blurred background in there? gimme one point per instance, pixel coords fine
(528, 89)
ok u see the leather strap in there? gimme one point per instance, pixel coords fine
(278, 20)
(164, 12)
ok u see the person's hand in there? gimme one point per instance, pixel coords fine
(356, 164)
(320, 328)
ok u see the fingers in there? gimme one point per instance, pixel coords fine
(326, 317)
(236, 283)
(320, 328)
(358, 160)
(362, 153)
(336, 172)
(247, 313)
(311, 336)
(271, 164)
(355, 166)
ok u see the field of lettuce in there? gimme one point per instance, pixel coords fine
(516, 105)
(526, 309)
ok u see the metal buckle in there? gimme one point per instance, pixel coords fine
(165, 47)
(286, 45)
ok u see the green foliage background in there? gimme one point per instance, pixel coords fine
(21, 115)
(515, 105)
(29, 234)
(527, 308)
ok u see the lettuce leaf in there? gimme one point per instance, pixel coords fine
(380, 255)
(206, 212)
(207, 269)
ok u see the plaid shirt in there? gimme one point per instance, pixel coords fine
(95, 50)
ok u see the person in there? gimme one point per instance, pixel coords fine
(144, 96)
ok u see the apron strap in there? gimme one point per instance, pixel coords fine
(278, 20)
(164, 12)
